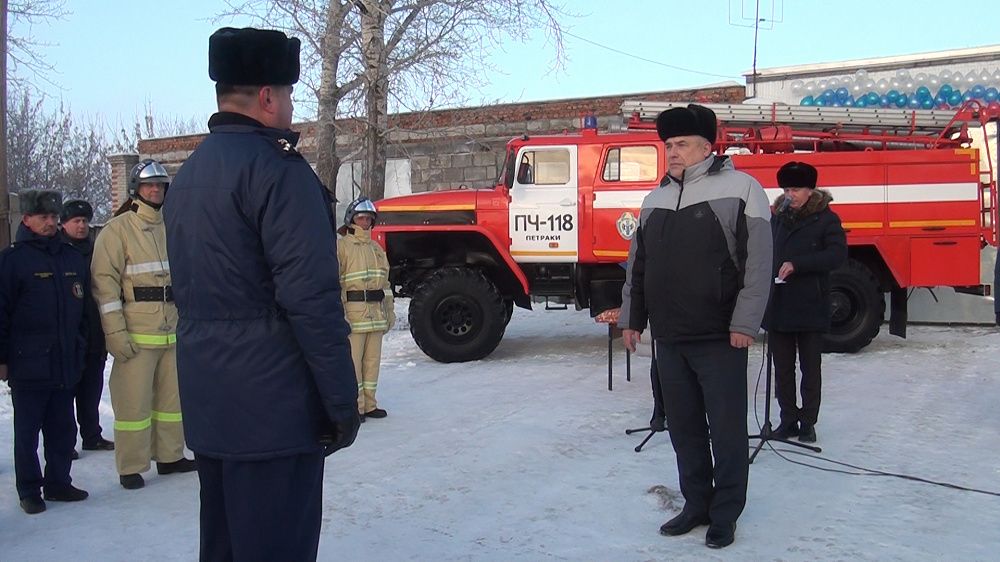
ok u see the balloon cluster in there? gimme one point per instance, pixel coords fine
(944, 90)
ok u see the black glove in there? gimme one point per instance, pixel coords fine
(342, 432)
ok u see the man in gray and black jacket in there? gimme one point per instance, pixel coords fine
(699, 273)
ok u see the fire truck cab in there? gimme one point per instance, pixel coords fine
(915, 191)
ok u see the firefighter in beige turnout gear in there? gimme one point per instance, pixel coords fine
(131, 282)
(367, 296)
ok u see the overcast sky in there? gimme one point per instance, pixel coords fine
(112, 57)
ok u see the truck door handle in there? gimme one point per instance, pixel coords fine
(946, 243)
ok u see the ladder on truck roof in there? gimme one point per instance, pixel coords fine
(915, 121)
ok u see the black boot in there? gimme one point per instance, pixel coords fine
(131, 481)
(808, 433)
(67, 493)
(720, 535)
(683, 523)
(32, 505)
(99, 444)
(786, 429)
(377, 413)
(182, 465)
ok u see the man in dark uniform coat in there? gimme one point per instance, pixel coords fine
(43, 328)
(809, 243)
(698, 273)
(75, 220)
(264, 366)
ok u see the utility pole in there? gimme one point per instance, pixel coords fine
(4, 195)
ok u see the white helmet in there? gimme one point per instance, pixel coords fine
(359, 205)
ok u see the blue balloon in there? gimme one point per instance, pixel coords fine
(828, 96)
(808, 100)
(873, 98)
(843, 93)
(901, 100)
(883, 100)
(955, 98)
(819, 102)
(927, 103)
(991, 94)
(939, 99)
(893, 96)
(978, 91)
(913, 103)
(946, 90)
(861, 102)
(967, 96)
(923, 92)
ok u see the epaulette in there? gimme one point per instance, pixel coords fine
(287, 148)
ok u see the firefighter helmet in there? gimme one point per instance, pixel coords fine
(147, 171)
(358, 206)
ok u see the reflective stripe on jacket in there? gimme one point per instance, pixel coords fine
(130, 252)
(364, 267)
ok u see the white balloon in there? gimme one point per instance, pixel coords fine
(833, 83)
(920, 79)
(895, 83)
(933, 82)
(983, 78)
(797, 86)
(861, 74)
(970, 78)
(903, 74)
(868, 84)
(822, 85)
(995, 78)
(857, 88)
(946, 76)
(847, 82)
(882, 86)
(909, 86)
(810, 87)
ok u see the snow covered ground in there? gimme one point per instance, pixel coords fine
(522, 456)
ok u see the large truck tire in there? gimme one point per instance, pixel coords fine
(457, 314)
(857, 307)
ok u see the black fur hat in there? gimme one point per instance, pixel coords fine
(76, 208)
(253, 57)
(40, 202)
(797, 174)
(684, 121)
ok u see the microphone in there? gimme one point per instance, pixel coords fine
(785, 204)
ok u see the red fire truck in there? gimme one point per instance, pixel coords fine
(915, 190)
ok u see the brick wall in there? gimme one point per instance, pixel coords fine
(451, 147)
(121, 165)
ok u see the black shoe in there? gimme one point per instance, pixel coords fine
(786, 430)
(720, 535)
(131, 481)
(99, 444)
(75, 456)
(682, 524)
(377, 413)
(68, 493)
(32, 505)
(808, 433)
(361, 417)
(182, 465)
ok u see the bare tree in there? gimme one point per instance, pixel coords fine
(23, 50)
(432, 52)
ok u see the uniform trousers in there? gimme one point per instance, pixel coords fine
(810, 348)
(51, 412)
(88, 397)
(704, 385)
(147, 410)
(366, 352)
(261, 510)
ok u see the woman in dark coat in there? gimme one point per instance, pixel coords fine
(809, 243)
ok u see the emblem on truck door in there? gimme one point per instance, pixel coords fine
(627, 224)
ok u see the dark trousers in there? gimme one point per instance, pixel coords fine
(88, 397)
(810, 348)
(51, 412)
(705, 397)
(261, 510)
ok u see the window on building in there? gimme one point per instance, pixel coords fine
(544, 167)
(630, 163)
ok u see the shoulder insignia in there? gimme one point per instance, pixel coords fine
(287, 147)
